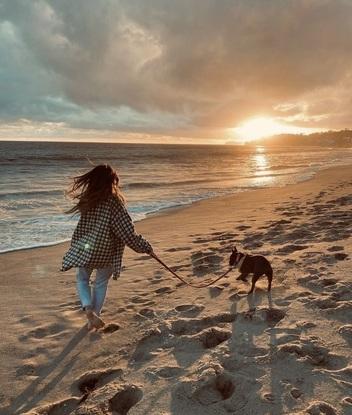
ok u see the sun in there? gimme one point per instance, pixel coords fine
(260, 127)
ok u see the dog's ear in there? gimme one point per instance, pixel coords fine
(234, 249)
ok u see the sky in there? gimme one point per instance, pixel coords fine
(173, 71)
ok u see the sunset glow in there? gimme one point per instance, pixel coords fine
(260, 127)
(145, 73)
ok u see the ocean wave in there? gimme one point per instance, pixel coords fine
(286, 166)
(32, 246)
(266, 174)
(30, 193)
(138, 185)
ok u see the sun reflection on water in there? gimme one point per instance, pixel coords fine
(263, 174)
(260, 159)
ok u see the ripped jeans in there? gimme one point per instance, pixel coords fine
(93, 295)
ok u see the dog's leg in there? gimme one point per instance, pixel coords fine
(270, 278)
(242, 277)
(254, 280)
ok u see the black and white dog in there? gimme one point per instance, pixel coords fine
(251, 264)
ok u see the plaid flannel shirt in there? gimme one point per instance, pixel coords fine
(100, 238)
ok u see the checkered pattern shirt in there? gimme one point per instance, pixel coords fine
(100, 238)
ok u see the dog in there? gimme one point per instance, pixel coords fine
(251, 264)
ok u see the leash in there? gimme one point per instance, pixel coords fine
(204, 285)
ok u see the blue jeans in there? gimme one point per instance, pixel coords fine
(93, 296)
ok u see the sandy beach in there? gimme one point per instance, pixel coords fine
(172, 349)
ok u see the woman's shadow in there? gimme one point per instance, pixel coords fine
(35, 392)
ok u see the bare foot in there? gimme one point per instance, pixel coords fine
(94, 321)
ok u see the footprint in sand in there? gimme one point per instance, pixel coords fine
(347, 401)
(326, 282)
(234, 297)
(288, 249)
(322, 303)
(208, 390)
(346, 332)
(151, 340)
(165, 372)
(311, 350)
(299, 296)
(180, 333)
(316, 282)
(332, 304)
(190, 310)
(317, 408)
(282, 303)
(110, 328)
(155, 281)
(26, 319)
(63, 407)
(138, 299)
(179, 267)
(296, 393)
(227, 235)
(215, 291)
(243, 227)
(164, 290)
(113, 398)
(218, 389)
(200, 241)
(214, 390)
(335, 248)
(305, 325)
(28, 369)
(95, 379)
(205, 257)
(177, 249)
(147, 312)
(270, 316)
(342, 376)
(43, 331)
(193, 325)
(125, 399)
(142, 258)
(207, 339)
(340, 256)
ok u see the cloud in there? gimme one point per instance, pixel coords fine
(191, 66)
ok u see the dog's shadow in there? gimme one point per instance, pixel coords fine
(255, 299)
(249, 329)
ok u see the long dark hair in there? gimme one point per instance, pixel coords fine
(90, 188)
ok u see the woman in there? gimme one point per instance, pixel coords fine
(98, 242)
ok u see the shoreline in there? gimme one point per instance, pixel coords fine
(167, 210)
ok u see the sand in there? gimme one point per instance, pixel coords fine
(172, 349)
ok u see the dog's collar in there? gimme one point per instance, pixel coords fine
(240, 262)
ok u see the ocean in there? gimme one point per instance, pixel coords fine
(35, 175)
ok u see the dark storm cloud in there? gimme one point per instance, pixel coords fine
(198, 64)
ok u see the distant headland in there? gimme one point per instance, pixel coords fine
(342, 138)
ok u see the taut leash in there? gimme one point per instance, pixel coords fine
(205, 284)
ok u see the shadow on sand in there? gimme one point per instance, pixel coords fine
(37, 390)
